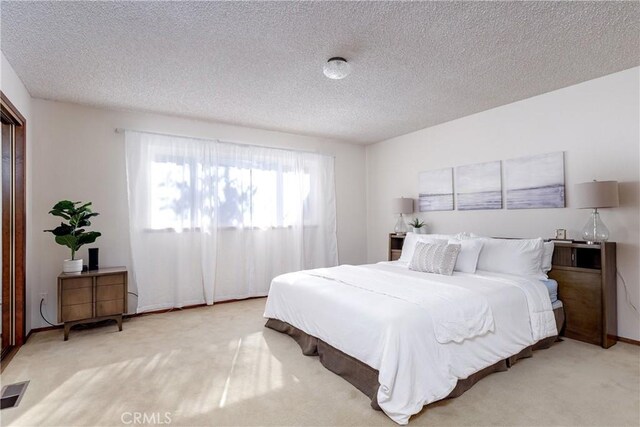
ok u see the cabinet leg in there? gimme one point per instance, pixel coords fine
(120, 323)
(67, 327)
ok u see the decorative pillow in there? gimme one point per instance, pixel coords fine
(439, 258)
(547, 256)
(410, 240)
(468, 256)
(521, 257)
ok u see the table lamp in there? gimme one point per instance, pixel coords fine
(595, 195)
(401, 206)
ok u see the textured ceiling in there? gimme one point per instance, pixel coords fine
(259, 64)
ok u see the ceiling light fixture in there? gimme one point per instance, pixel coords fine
(336, 68)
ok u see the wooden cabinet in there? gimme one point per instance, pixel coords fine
(91, 297)
(586, 276)
(395, 246)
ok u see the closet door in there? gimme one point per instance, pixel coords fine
(13, 227)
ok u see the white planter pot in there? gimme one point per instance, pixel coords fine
(72, 266)
(421, 230)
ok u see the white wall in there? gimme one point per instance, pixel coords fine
(79, 156)
(12, 87)
(596, 124)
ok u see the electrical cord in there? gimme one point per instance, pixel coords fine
(45, 319)
(42, 314)
(626, 292)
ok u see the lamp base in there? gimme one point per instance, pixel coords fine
(401, 226)
(595, 231)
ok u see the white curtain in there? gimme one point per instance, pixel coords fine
(212, 221)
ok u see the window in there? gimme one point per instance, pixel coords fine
(200, 193)
(263, 196)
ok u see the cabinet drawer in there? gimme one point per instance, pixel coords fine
(76, 312)
(80, 282)
(581, 294)
(77, 296)
(110, 292)
(107, 308)
(395, 254)
(112, 279)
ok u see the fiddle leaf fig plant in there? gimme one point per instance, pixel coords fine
(72, 233)
(416, 223)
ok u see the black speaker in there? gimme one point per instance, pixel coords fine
(93, 259)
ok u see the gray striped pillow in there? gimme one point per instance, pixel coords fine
(439, 258)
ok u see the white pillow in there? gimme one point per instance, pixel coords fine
(547, 257)
(468, 256)
(409, 245)
(520, 257)
(439, 258)
(410, 240)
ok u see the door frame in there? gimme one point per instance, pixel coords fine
(11, 114)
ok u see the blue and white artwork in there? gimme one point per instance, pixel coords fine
(535, 181)
(479, 186)
(436, 190)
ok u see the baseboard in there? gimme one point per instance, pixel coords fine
(239, 299)
(43, 329)
(7, 358)
(187, 307)
(628, 341)
(165, 310)
(128, 316)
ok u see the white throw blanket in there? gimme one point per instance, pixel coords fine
(457, 313)
(391, 324)
(541, 315)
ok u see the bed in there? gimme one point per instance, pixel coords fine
(407, 338)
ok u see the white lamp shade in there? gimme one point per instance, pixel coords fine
(597, 194)
(402, 206)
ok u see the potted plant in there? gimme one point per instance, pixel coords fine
(418, 226)
(72, 234)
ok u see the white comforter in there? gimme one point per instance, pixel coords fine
(395, 320)
(457, 313)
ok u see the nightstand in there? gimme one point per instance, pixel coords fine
(586, 276)
(91, 297)
(395, 245)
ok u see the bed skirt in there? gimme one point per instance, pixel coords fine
(365, 378)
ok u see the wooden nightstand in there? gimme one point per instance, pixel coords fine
(586, 276)
(92, 296)
(395, 245)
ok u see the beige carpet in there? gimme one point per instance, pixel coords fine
(220, 366)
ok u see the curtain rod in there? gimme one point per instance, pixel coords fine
(241, 144)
